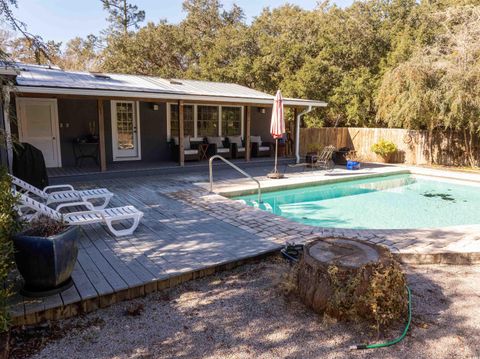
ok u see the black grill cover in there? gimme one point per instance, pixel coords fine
(29, 165)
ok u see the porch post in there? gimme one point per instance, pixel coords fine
(181, 133)
(101, 136)
(294, 132)
(248, 118)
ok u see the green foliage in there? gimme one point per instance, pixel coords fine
(439, 86)
(8, 226)
(384, 148)
(399, 63)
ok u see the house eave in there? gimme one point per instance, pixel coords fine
(163, 96)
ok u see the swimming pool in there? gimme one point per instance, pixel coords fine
(391, 202)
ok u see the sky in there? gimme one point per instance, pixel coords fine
(61, 20)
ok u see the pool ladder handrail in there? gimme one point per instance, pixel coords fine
(210, 165)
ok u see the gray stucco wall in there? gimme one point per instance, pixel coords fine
(74, 116)
(154, 132)
(260, 125)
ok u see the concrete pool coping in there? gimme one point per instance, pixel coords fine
(448, 245)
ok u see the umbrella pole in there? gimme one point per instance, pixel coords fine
(276, 155)
(275, 173)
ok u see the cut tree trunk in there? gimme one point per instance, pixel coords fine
(352, 280)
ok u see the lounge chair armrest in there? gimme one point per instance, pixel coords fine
(59, 193)
(81, 213)
(88, 205)
(57, 187)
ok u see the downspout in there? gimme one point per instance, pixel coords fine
(7, 127)
(297, 132)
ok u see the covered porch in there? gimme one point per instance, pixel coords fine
(90, 123)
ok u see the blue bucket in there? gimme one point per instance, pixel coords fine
(353, 165)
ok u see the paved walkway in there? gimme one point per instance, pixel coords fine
(460, 244)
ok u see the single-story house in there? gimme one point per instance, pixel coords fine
(120, 117)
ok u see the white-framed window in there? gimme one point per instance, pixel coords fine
(232, 123)
(188, 118)
(202, 120)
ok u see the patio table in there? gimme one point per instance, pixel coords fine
(203, 150)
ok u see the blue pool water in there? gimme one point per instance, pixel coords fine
(400, 201)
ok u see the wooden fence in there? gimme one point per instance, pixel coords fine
(414, 147)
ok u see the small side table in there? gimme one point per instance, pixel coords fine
(83, 150)
(203, 151)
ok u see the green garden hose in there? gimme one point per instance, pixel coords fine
(396, 340)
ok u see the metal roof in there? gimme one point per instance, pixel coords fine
(53, 80)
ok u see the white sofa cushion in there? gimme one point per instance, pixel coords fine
(186, 142)
(215, 140)
(223, 150)
(236, 140)
(264, 148)
(241, 149)
(190, 152)
(256, 139)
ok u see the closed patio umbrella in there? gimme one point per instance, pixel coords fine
(277, 129)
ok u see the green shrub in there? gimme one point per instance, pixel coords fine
(384, 148)
(8, 226)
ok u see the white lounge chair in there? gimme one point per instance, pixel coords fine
(55, 194)
(30, 209)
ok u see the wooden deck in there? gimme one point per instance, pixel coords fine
(173, 243)
(130, 168)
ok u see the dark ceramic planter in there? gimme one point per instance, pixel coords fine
(46, 263)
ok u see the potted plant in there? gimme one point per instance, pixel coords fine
(45, 253)
(384, 150)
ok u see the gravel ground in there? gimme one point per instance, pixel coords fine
(244, 313)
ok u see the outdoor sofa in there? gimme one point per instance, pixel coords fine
(191, 152)
(238, 146)
(219, 146)
(260, 148)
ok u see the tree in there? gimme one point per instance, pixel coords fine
(82, 54)
(34, 42)
(199, 30)
(22, 49)
(439, 87)
(153, 50)
(122, 16)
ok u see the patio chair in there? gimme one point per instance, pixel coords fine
(190, 151)
(261, 148)
(30, 209)
(323, 160)
(65, 193)
(219, 147)
(237, 145)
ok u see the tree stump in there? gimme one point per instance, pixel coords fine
(352, 280)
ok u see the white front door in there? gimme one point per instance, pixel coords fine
(38, 125)
(125, 131)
